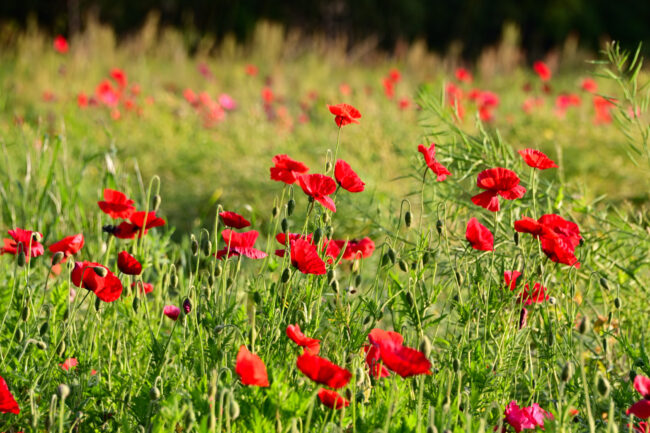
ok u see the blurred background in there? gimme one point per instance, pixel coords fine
(463, 26)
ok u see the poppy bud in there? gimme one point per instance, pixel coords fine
(403, 266)
(63, 391)
(20, 258)
(409, 299)
(426, 257)
(567, 372)
(154, 393)
(335, 285)
(211, 280)
(408, 218)
(331, 275)
(44, 328)
(234, 410)
(217, 270)
(294, 426)
(206, 247)
(101, 271)
(446, 404)
(173, 280)
(57, 257)
(604, 344)
(187, 306)
(60, 350)
(355, 266)
(425, 346)
(602, 385)
(229, 281)
(291, 205)
(617, 302)
(19, 335)
(318, 235)
(257, 297)
(552, 300)
(439, 226)
(357, 280)
(523, 315)
(156, 202)
(195, 246)
(432, 428)
(275, 211)
(603, 283)
(459, 277)
(455, 364)
(25, 313)
(632, 375)
(328, 166)
(98, 303)
(328, 231)
(37, 237)
(136, 304)
(391, 255)
(385, 259)
(584, 325)
(286, 275)
(285, 225)
(325, 218)
(516, 238)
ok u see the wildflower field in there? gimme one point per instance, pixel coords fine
(298, 236)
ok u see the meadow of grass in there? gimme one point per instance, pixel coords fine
(187, 156)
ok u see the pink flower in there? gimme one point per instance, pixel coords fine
(172, 311)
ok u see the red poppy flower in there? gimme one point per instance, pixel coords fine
(129, 230)
(234, 220)
(526, 417)
(286, 169)
(603, 107)
(537, 159)
(332, 399)
(463, 75)
(61, 45)
(479, 237)
(347, 178)
(322, 371)
(119, 76)
(107, 288)
(296, 335)
(21, 240)
(497, 182)
(394, 75)
(251, 70)
(304, 256)
(641, 409)
(398, 358)
(319, 187)
(377, 369)
(589, 85)
(128, 264)
(558, 237)
(267, 95)
(535, 296)
(240, 244)
(116, 204)
(8, 403)
(542, 70)
(642, 427)
(172, 311)
(282, 238)
(430, 159)
(107, 94)
(345, 114)
(144, 287)
(68, 246)
(356, 249)
(389, 88)
(251, 368)
(511, 277)
(69, 364)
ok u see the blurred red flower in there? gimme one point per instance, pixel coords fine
(286, 169)
(356, 249)
(116, 204)
(537, 159)
(69, 364)
(240, 244)
(251, 368)
(478, 236)
(558, 237)
(377, 369)
(296, 335)
(430, 159)
(128, 264)
(322, 371)
(234, 220)
(8, 403)
(641, 409)
(526, 417)
(542, 70)
(136, 226)
(463, 75)
(398, 358)
(144, 287)
(60, 44)
(332, 399)
(345, 114)
(172, 311)
(21, 240)
(69, 246)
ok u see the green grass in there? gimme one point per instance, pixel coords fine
(157, 375)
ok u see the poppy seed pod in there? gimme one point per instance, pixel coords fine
(403, 266)
(426, 257)
(101, 271)
(617, 302)
(154, 393)
(20, 258)
(195, 246)
(187, 306)
(63, 391)
(206, 247)
(408, 218)
(41, 345)
(57, 257)
(44, 328)
(439, 226)
(19, 335)
(286, 275)
(603, 283)
(291, 206)
(156, 202)
(567, 372)
(275, 211)
(284, 224)
(98, 303)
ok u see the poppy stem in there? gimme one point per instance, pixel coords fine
(338, 141)
(424, 177)
(533, 186)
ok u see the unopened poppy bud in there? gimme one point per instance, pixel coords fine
(550, 338)
(156, 202)
(173, 280)
(408, 218)
(431, 428)
(63, 391)
(234, 410)
(286, 275)
(409, 299)
(211, 280)
(291, 205)
(603, 283)
(187, 306)
(523, 315)
(426, 257)
(195, 246)
(335, 285)
(44, 328)
(284, 224)
(19, 335)
(60, 350)
(516, 238)
(552, 300)
(20, 258)
(617, 302)
(425, 346)
(206, 247)
(455, 364)
(41, 345)
(567, 372)
(584, 325)
(25, 313)
(257, 297)
(331, 275)
(603, 385)
(98, 303)
(275, 211)
(459, 277)
(217, 270)
(135, 304)
(357, 280)
(328, 231)
(439, 226)
(229, 281)
(604, 340)
(57, 257)
(403, 265)
(101, 271)
(632, 375)
(385, 259)
(318, 235)
(328, 166)
(154, 393)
